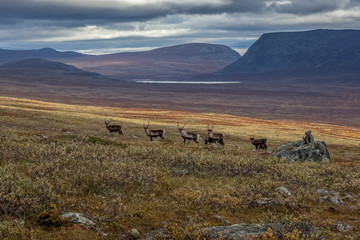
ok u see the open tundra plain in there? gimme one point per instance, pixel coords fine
(60, 158)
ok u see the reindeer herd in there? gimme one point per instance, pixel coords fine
(212, 136)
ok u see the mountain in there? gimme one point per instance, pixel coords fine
(35, 70)
(167, 62)
(317, 51)
(13, 55)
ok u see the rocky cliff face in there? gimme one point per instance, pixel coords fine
(310, 51)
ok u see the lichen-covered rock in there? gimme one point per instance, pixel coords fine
(134, 233)
(300, 151)
(80, 219)
(283, 191)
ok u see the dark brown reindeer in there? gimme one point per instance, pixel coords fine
(113, 128)
(188, 135)
(215, 137)
(153, 133)
(259, 143)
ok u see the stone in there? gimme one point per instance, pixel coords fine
(268, 202)
(352, 207)
(217, 217)
(80, 219)
(322, 192)
(220, 219)
(43, 136)
(283, 191)
(134, 233)
(343, 227)
(253, 231)
(347, 196)
(181, 172)
(330, 196)
(313, 151)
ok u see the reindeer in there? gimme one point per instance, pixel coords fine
(259, 143)
(113, 128)
(188, 135)
(215, 137)
(153, 133)
(208, 140)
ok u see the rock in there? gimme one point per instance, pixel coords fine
(343, 227)
(352, 207)
(181, 172)
(330, 196)
(313, 151)
(157, 234)
(253, 231)
(220, 219)
(347, 196)
(134, 233)
(322, 192)
(268, 202)
(283, 191)
(80, 219)
(217, 217)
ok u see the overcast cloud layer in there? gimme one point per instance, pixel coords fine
(95, 26)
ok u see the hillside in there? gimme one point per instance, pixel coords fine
(36, 70)
(14, 55)
(317, 51)
(162, 63)
(58, 158)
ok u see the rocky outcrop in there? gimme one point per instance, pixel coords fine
(305, 150)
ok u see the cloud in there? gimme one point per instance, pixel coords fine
(88, 25)
(310, 6)
(120, 10)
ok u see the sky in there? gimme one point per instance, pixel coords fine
(108, 26)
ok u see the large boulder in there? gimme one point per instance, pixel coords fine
(305, 150)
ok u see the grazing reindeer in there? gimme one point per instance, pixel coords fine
(113, 128)
(208, 140)
(188, 135)
(153, 133)
(215, 137)
(259, 143)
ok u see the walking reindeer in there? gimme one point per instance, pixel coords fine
(188, 135)
(153, 133)
(113, 128)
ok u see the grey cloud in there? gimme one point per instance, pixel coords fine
(52, 10)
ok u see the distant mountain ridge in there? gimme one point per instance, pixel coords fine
(37, 70)
(166, 62)
(39, 63)
(309, 51)
(14, 55)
